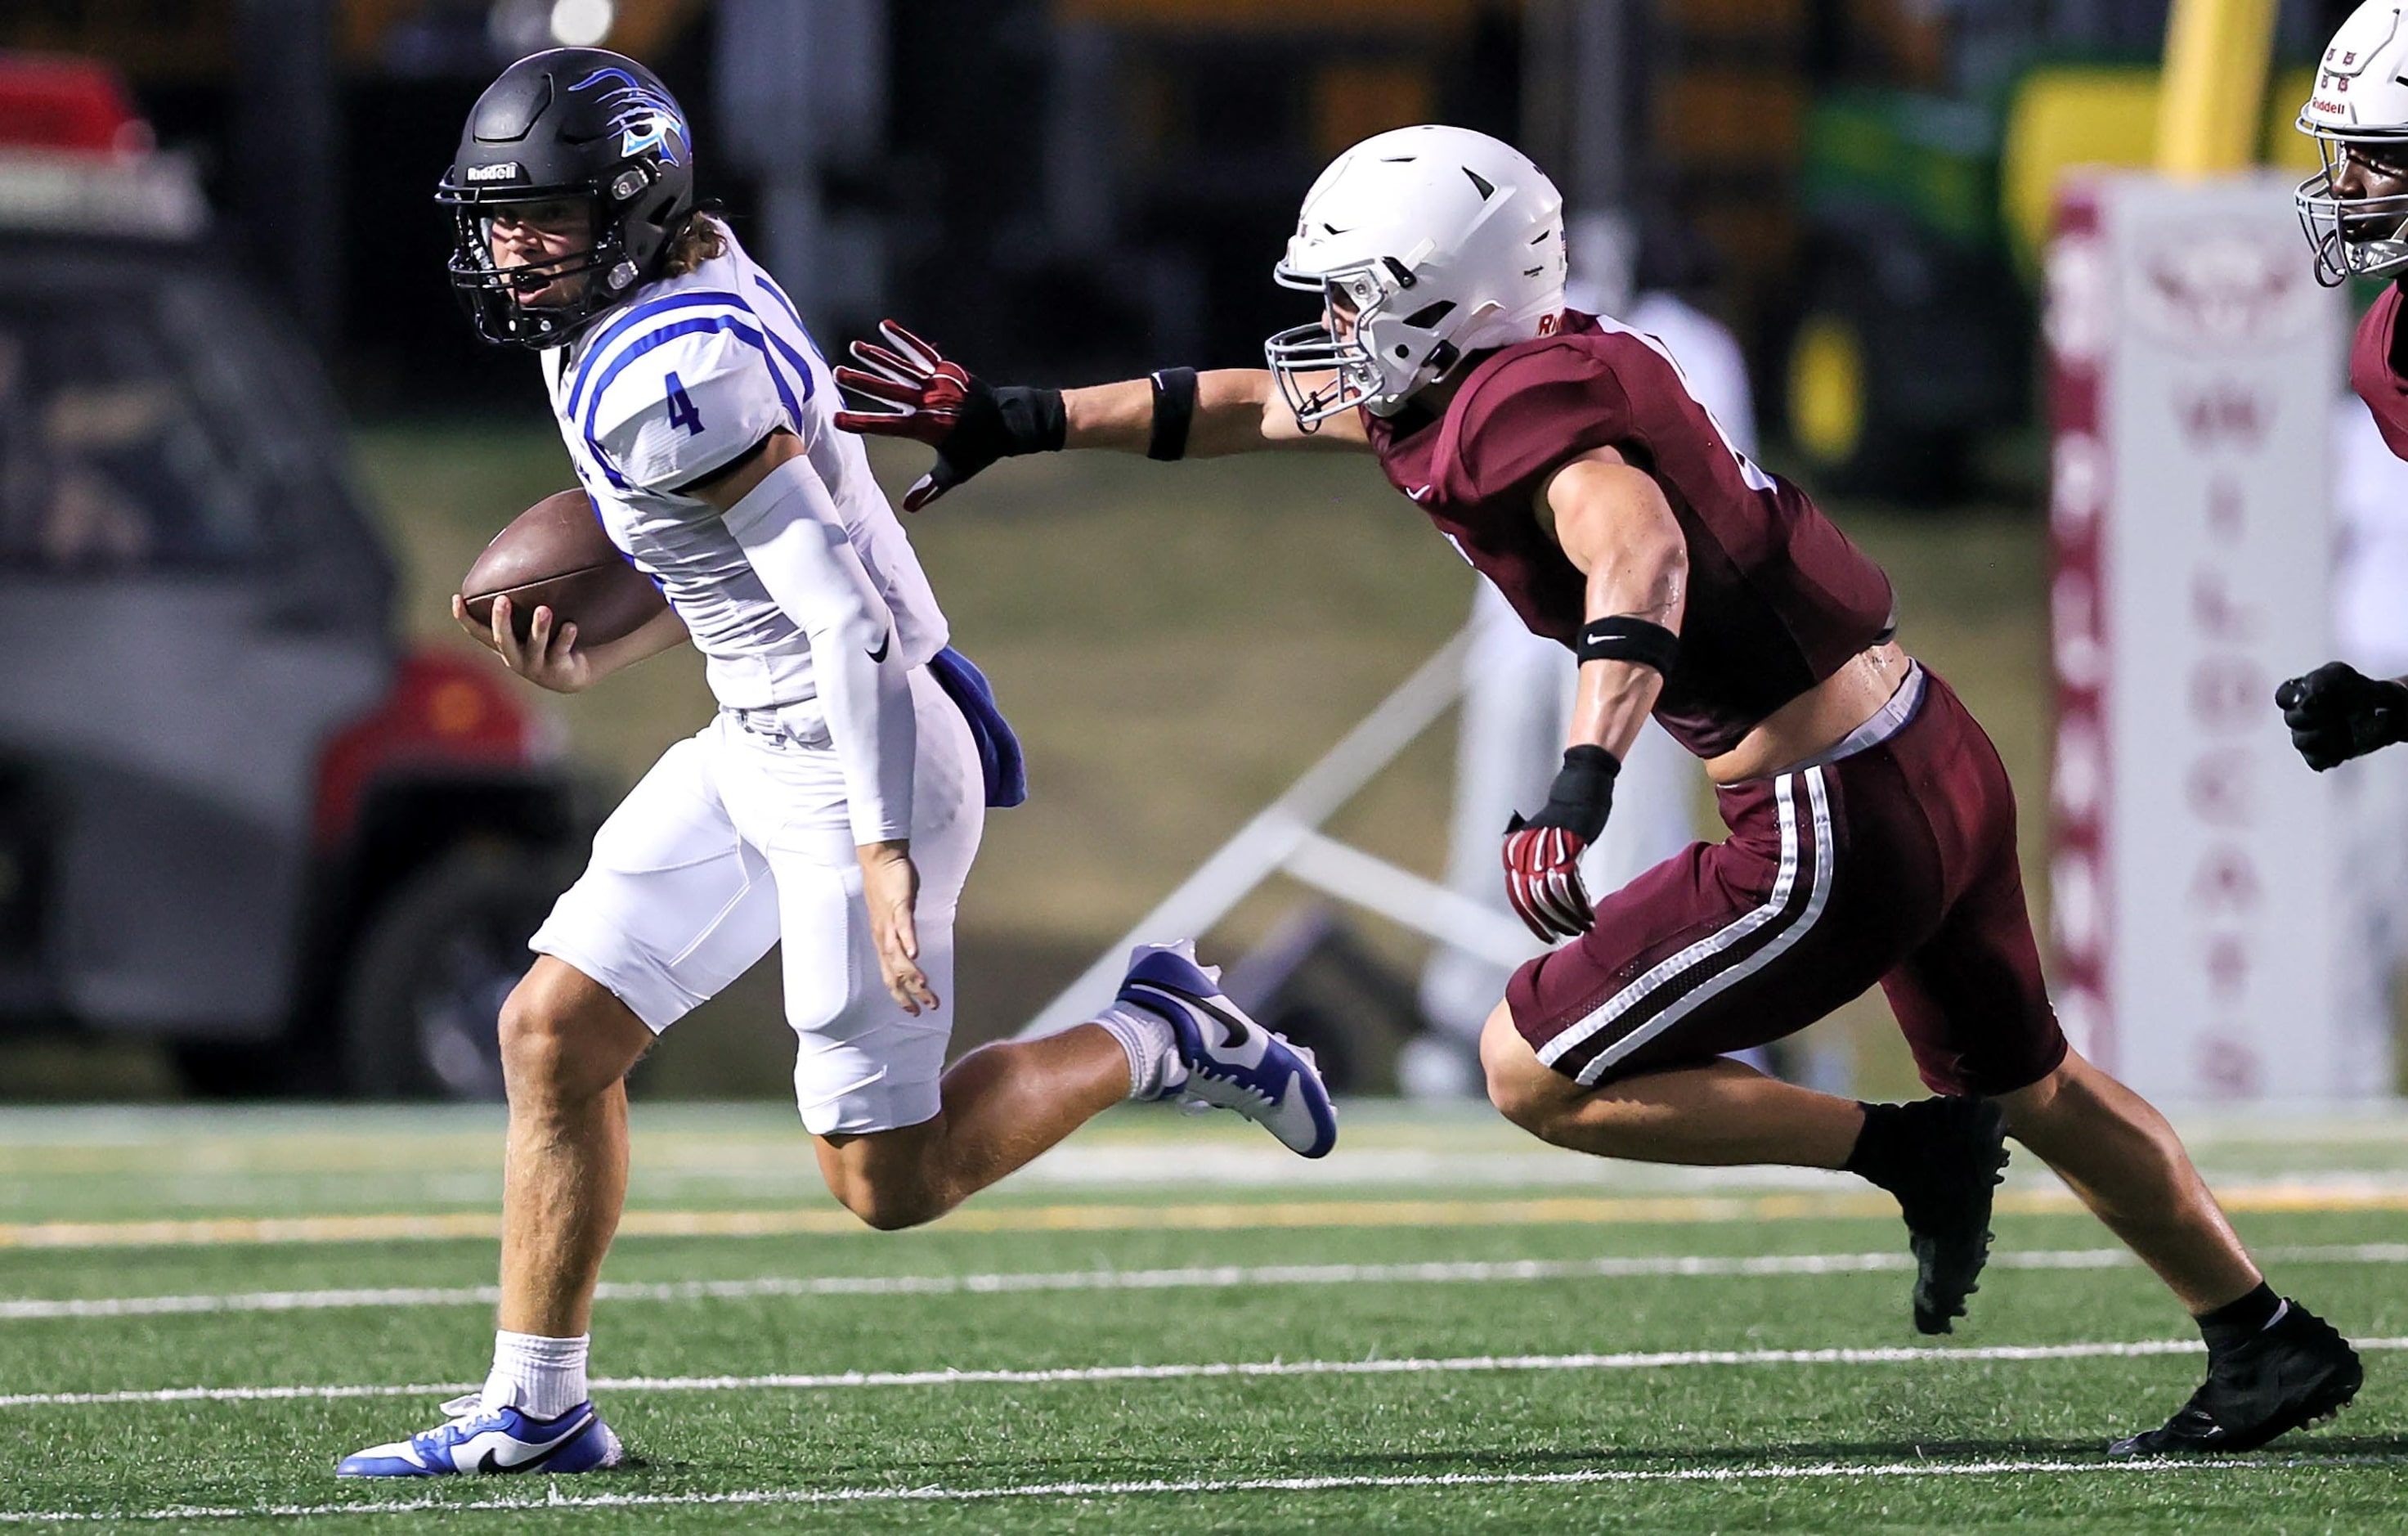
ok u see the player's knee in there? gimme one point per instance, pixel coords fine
(891, 1213)
(553, 1050)
(891, 1179)
(534, 1039)
(565, 1037)
(889, 1204)
(1518, 1082)
(2064, 1090)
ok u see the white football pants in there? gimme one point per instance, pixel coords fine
(733, 843)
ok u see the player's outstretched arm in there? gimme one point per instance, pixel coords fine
(1614, 525)
(911, 389)
(1235, 411)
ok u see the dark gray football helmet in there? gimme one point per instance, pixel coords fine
(569, 124)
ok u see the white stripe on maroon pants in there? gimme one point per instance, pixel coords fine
(1706, 968)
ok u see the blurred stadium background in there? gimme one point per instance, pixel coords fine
(263, 813)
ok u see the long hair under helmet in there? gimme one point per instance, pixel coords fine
(1443, 242)
(575, 124)
(2359, 99)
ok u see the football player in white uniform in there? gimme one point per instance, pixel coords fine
(833, 805)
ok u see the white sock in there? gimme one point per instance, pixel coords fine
(539, 1376)
(1154, 1061)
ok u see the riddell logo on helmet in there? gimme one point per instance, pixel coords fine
(506, 170)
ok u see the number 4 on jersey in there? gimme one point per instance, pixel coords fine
(681, 411)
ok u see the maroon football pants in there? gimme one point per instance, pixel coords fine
(1895, 865)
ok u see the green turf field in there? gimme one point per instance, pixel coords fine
(1168, 1325)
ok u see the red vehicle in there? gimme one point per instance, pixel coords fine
(236, 815)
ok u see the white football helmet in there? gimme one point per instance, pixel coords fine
(2360, 101)
(1442, 241)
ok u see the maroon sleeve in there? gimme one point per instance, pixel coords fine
(1528, 415)
(2374, 375)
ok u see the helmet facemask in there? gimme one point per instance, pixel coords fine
(491, 292)
(2353, 237)
(1382, 360)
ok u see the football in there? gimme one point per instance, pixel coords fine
(555, 556)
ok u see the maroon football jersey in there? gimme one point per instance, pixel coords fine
(1778, 597)
(2375, 376)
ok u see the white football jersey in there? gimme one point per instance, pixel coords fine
(682, 380)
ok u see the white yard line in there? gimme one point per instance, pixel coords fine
(1215, 1277)
(1203, 1371)
(1441, 1482)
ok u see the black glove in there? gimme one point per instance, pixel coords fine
(1542, 852)
(2337, 713)
(917, 393)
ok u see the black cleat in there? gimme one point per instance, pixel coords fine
(2294, 1372)
(1950, 1156)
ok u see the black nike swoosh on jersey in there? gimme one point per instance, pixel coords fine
(884, 643)
(1239, 1033)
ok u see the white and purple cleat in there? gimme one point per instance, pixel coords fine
(1232, 1062)
(480, 1440)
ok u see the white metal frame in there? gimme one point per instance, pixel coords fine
(1285, 838)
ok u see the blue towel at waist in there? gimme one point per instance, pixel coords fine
(998, 749)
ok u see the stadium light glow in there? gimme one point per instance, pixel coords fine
(581, 24)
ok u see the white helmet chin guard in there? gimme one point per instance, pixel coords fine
(1439, 242)
(2360, 101)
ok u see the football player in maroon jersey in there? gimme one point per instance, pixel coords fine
(1873, 825)
(2356, 215)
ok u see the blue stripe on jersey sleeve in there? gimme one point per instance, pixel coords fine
(663, 337)
(692, 299)
(771, 288)
(810, 387)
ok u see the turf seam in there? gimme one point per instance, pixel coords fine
(554, 1499)
(1199, 1277)
(1200, 1370)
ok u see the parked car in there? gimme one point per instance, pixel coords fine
(237, 816)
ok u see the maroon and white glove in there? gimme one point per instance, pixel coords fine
(1542, 852)
(1543, 879)
(914, 391)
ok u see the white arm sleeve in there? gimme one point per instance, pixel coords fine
(794, 538)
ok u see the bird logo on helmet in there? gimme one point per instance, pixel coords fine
(572, 125)
(644, 114)
(1427, 245)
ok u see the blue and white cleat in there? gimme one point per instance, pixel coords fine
(479, 1440)
(1232, 1062)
